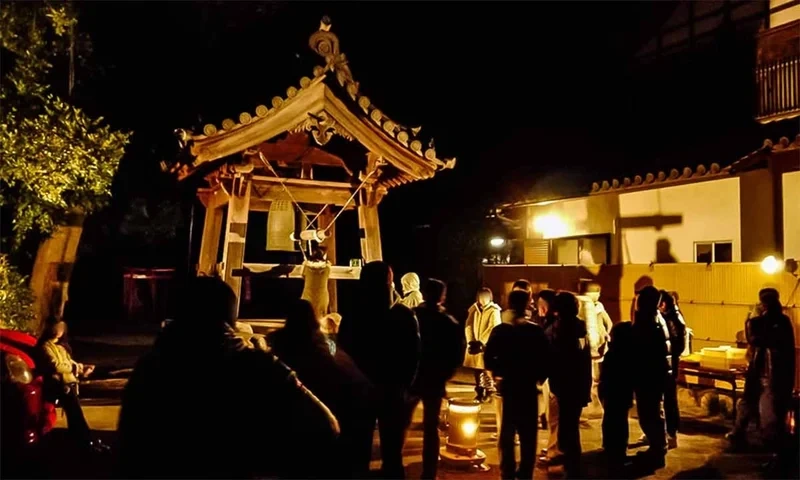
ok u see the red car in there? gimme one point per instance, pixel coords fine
(26, 416)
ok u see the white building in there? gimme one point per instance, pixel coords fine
(740, 213)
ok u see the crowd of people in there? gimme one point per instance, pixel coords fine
(207, 402)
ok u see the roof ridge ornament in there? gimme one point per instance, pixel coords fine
(326, 44)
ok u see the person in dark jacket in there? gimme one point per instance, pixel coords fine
(333, 378)
(546, 318)
(571, 377)
(771, 370)
(180, 405)
(651, 369)
(616, 392)
(443, 345)
(383, 339)
(676, 326)
(516, 354)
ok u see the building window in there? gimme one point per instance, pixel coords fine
(716, 252)
(587, 250)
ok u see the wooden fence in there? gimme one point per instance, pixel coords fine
(714, 298)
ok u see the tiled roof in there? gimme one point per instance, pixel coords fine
(688, 174)
(335, 73)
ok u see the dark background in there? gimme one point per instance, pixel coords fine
(534, 99)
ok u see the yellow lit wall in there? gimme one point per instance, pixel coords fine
(791, 215)
(574, 217)
(708, 211)
(784, 16)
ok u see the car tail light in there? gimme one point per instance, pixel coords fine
(18, 370)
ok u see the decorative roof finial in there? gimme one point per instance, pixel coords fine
(325, 24)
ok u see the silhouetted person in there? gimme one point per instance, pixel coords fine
(747, 410)
(333, 378)
(482, 317)
(642, 282)
(570, 377)
(443, 347)
(616, 392)
(383, 340)
(651, 371)
(516, 354)
(206, 404)
(61, 375)
(546, 314)
(676, 326)
(772, 368)
(523, 286)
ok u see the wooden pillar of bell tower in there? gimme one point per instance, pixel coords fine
(368, 223)
(236, 232)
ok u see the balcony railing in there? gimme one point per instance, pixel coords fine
(778, 84)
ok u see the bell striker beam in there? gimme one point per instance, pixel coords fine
(236, 231)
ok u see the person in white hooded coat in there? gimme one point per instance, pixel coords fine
(412, 297)
(482, 317)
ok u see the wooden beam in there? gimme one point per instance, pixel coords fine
(267, 189)
(214, 197)
(236, 232)
(262, 205)
(209, 246)
(292, 271)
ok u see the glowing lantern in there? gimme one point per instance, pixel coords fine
(771, 265)
(550, 226)
(461, 449)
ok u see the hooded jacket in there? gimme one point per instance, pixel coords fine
(480, 323)
(412, 298)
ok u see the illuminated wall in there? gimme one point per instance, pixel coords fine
(674, 218)
(784, 16)
(574, 217)
(791, 215)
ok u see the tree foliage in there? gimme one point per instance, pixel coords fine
(16, 299)
(56, 159)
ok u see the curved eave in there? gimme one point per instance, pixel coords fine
(290, 114)
(293, 113)
(376, 140)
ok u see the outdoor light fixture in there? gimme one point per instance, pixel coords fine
(497, 242)
(771, 265)
(461, 449)
(550, 226)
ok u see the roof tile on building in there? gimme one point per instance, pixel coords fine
(700, 172)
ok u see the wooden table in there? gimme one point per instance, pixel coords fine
(695, 378)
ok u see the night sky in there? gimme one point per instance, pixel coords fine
(534, 99)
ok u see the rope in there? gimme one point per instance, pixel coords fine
(294, 201)
(350, 199)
